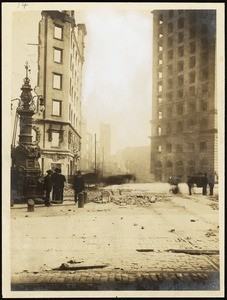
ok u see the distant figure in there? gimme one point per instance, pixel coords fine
(54, 178)
(59, 184)
(190, 184)
(78, 185)
(205, 181)
(47, 187)
(211, 184)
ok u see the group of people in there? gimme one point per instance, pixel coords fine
(54, 181)
(205, 181)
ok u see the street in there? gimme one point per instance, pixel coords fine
(132, 238)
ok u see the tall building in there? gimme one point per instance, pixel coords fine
(184, 108)
(60, 62)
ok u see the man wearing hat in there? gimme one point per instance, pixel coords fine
(48, 187)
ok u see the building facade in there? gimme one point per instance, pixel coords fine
(60, 63)
(184, 108)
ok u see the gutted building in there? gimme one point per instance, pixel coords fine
(184, 108)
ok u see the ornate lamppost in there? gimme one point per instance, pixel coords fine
(25, 170)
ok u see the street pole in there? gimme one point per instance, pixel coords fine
(95, 153)
(102, 161)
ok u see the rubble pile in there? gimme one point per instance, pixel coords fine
(127, 198)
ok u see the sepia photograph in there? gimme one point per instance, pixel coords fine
(113, 149)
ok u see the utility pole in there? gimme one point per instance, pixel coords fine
(95, 153)
(102, 161)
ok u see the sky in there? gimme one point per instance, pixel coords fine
(117, 73)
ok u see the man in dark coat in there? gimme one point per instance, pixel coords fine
(190, 184)
(205, 181)
(59, 184)
(54, 178)
(78, 185)
(48, 187)
(211, 184)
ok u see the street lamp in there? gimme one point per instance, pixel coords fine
(25, 169)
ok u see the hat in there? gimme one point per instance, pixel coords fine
(49, 171)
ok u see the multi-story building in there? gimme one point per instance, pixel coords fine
(60, 62)
(87, 149)
(184, 108)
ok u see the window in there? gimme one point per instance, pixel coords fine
(159, 100)
(192, 47)
(170, 70)
(168, 128)
(191, 125)
(191, 108)
(179, 148)
(170, 54)
(170, 28)
(204, 74)
(56, 108)
(204, 58)
(203, 146)
(160, 114)
(169, 148)
(55, 139)
(160, 61)
(160, 87)
(159, 74)
(159, 130)
(169, 83)
(180, 23)
(180, 66)
(180, 80)
(57, 55)
(192, 32)
(192, 17)
(191, 146)
(179, 127)
(203, 124)
(192, 77)
(160, 20)
(169, 96)
(180, 12)
(160, 32)
(204, 43)
(192, 90)
(192, 62)
(170, 42)
(203, 105)
(159, 148)
(170, 14)
(180, 37)
(57, 81)
(180, 93)
(181, 51)
(169, 112)
(58, 32)
(160, 48)
(180, 109)
(204, 88)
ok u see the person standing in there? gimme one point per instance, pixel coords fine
(190, 184)
(205, 181)
(60, 180)
(54, 179)
(211, 184)
(78, 185)
(47, 187)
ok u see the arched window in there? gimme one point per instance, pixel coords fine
(190, 168)
(169, 168)
(158, 170)
(179, 127)
(179, 169)
(168, 128)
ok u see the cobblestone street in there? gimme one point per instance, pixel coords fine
(158, 242)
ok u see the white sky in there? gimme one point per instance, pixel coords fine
(117, 70)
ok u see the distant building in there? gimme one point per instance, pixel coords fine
(87, 149)
(105, 144)
(60, 62)
(184, 108)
